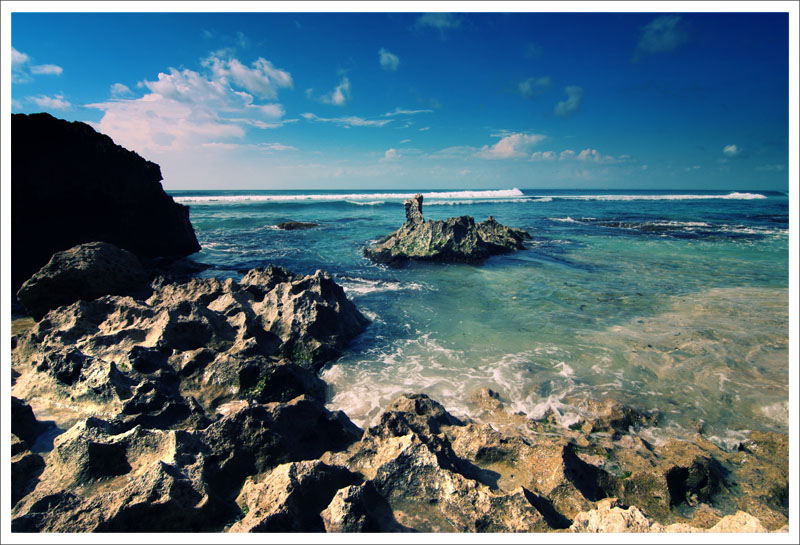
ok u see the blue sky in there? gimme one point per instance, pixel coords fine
(414, 100)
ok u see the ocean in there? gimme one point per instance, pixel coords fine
(673, 302)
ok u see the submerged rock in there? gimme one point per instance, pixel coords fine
(86, 271)
(293, 225)
(457, 239)
(71, 184)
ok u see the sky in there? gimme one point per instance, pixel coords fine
(293, 100)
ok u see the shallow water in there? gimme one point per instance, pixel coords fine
(668, 301)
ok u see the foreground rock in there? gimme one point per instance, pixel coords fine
(70, 185)
(174, 358)
(453, 240)
(86, 271)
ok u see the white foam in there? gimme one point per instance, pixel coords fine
(362, 286)
(674, 197)
(372, 198)
(777, 411)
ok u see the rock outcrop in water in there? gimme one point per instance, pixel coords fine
(70, 185)
(198, 409)
(457, 239)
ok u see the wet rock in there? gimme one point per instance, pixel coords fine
(294, 225)
(86, 271)
(291, 497)
(611, 416)
(70, 185)
(457, 239)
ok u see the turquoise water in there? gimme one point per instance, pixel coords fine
(670, 301)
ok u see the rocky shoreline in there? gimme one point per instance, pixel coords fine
(194, 406)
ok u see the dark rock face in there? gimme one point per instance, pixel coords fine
(86, 272)
(293, 225)
(70, 185)
(458, 239)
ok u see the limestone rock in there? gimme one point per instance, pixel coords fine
(291, 497)
(70, 185)
(452, 240)
(86, 271)
(23, 421)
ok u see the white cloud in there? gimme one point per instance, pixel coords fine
(566, 154)
(533, 87)
(511, 146)
(439, 21)
(662, 34)
(46, 69)
(543, 156)
(16, 104)
(567, 107)
(262, 79)
(340, 95)
(349, 121)
(390, 155)
(55, 103)
(400, 111)
(275, 146)
(731, 150)
(185, 109)
(455, 152)
(389, 61)
(424, 129)
(120, 90)
(405, 141)
(22, 71)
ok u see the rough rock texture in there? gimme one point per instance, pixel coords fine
(293, 225)
(452, 240)
(171, 360)
(70, 185)
(86, 271)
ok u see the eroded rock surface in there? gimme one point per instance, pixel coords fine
(457, 239)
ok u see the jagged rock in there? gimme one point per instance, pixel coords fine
(167, 361)
(293, 225)
(86, 271)
(102, 478)
(70, 185)
(452, 240)
(23, 422)
(358, 509)
(291, 497)
(610, 415)
(253, 438)
(25, 469)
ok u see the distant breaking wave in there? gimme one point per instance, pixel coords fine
(675, 197)
(371, 198)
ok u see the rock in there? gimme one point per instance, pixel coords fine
(25, 469)
(168, 361)
(23, 421)
(358, 509)
(452, 240)
(293, 225)
(70, 185)
(291, 497)
(84, 272)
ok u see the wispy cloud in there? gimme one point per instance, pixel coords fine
(261, 79)
(51, 103)
(22, 71)
(588, 155)
(120, 90)
(401, 111)
(731, 150)
(389, 61)
(569, 106)
(454, 152)
(348, 121)
(513, 146)
(534, 87)
(338, 97)
(662, 34)
(439, 21)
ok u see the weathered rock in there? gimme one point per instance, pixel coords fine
(25, 469)
(188, 348)
(358, 509)
(70, 185)
(254, 438)
(23, 422)
(101, 478)
(452, 240)
(294, 225)
(86, 271)
(291, 497)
